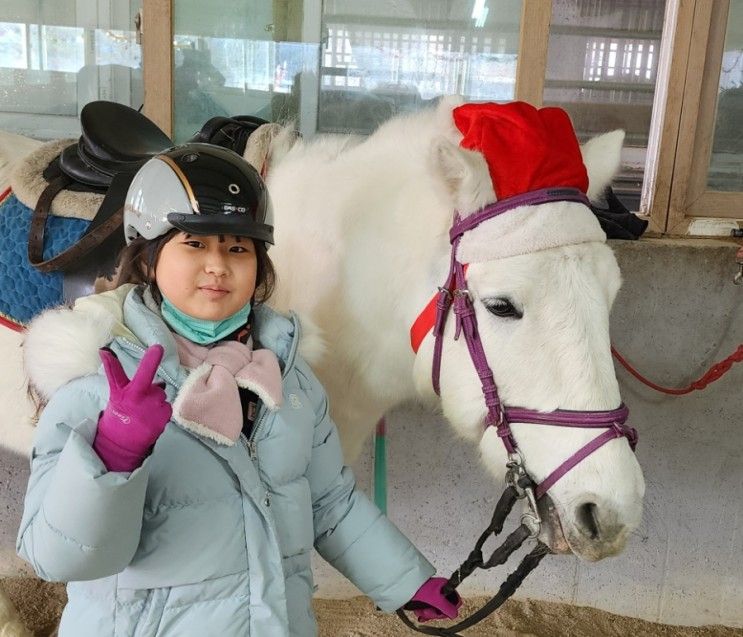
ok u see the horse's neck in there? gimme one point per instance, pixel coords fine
(357, 257)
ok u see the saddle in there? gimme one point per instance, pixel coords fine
(230, 132)
(116, 141)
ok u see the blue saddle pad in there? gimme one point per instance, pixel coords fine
(24, 291)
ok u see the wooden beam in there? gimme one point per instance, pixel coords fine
(531, 66)
(665, 121)
(157, 62)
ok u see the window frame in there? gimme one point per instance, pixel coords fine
(691, 200)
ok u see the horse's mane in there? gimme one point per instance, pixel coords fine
(405, 137)
(327, 147)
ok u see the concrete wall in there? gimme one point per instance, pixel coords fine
(677, 313)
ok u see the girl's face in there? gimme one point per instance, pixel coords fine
(207, 277)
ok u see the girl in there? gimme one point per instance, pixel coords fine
(180, 487)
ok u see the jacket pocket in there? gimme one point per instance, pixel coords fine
(292, 507)
(218, 606)
(138, 613)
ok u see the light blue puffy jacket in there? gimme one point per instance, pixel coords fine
(202, 539)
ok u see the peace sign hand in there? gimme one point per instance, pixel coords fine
(136, 414)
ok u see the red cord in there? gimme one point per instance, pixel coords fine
(715, 372)
(6, 321)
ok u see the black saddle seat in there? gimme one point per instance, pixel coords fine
(118, 134)
(115, 139)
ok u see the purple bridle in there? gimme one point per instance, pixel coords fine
(455, 292)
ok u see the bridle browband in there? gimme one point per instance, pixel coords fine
(454, 293)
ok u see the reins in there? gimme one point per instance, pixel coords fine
(520, 488)
(717, 371)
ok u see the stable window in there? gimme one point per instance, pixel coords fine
(602, 64)
(627, 64)
(56, 56)
(336, 66)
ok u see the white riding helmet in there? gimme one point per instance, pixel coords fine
(201, 189)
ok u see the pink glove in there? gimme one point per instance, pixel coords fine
(429, 602)
(136, 414)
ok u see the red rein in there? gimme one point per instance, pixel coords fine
(717, 371)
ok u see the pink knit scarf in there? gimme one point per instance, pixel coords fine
(208, 403)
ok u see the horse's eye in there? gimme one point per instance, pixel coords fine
(502, 307)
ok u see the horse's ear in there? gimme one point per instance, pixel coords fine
(448, 163)
(269, 144)
(602, 156)
(464, 174)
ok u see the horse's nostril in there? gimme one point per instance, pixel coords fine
(587, 518)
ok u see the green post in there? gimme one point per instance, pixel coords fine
(380, 467)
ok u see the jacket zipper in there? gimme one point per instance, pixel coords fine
(252, 447)
(250, 443)
(159, 368)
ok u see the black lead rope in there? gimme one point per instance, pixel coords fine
(508, 588)
(475, 561)
(501, 554)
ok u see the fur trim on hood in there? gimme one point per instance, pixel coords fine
(62, 343)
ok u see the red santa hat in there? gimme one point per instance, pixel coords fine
(526, 149)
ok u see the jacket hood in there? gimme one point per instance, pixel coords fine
(62, 343)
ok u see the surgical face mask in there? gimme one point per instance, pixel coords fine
(202, 331)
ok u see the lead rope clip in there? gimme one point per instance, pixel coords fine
(517, 478)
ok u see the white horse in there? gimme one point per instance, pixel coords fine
(361, 246)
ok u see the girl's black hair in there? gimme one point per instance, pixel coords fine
(136, 264)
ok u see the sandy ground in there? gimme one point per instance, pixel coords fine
(40, 604)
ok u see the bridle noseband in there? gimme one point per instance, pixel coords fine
(455, 294)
